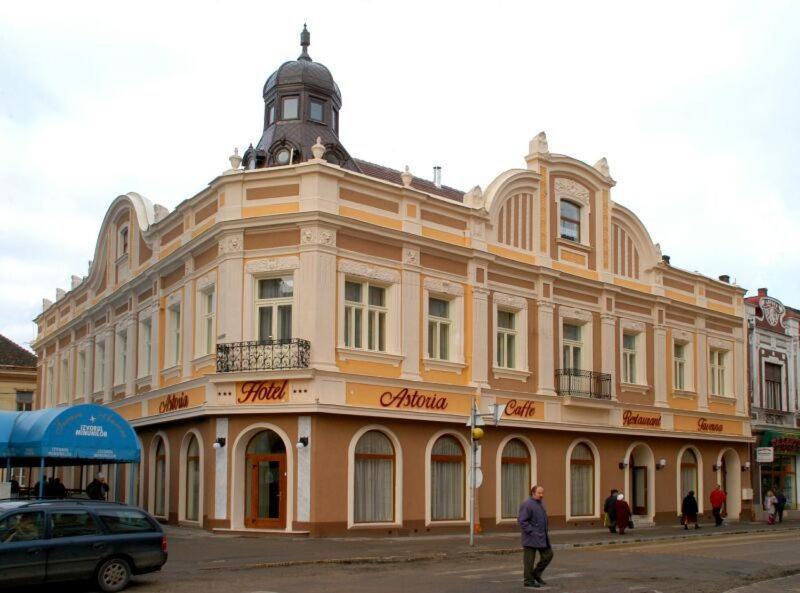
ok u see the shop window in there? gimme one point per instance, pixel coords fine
(506, 339)
(570, 221)
(581, 472)
(160, 478)
(192, 485)
(773, 386)
(571, 346)
(374, 479)
(274, 308)
(718, 372)
(688, 473)
(365, 316)
(515, 477)
(447, 480)
(439, 325)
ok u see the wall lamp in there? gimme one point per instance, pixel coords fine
(623, 464)
(302, 442)
(219, 443)
(746, 466)
(661, 464)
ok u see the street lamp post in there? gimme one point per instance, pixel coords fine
(476, 420)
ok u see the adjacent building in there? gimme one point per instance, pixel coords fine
(299, 344)
(774, 363)
(17, 376)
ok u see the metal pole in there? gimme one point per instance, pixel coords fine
(41, 478)
(473, 420)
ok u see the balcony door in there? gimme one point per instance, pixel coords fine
(274, 298)
(265, 492)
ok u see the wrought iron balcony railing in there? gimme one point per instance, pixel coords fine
(580, 383)
(263, 355)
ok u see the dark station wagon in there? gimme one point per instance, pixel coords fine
(44, 541)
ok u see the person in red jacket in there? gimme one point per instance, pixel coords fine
(718, 498)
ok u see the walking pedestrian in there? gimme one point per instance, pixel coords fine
(97, 488)
(609, 516)
(781, 505)
(718, 498)
(535, 538)
(770, 505)
(689, 510)
(623, 513)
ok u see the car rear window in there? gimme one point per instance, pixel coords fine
(125, 521)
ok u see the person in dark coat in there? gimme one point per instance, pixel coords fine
(58, 489)
(780, 505)
(623, 512)
(689, 510)
(608, 509)
(97, 488)
(535, 537)
(14, 487)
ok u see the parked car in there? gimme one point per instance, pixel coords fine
(43, 541)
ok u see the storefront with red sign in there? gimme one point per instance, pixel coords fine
(780, 475)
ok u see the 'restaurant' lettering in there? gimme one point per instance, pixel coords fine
(407, 399)
(630, 418)
(173, 402)
(704, 425)
(521, 410)
(262, 391)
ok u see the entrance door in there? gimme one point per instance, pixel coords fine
(267, 491)
(639, 489)
(724, 472)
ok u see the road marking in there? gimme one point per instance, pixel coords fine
(712, 541)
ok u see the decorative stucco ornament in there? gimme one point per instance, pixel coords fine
(772, 310)
(235, 159)
(60, 293)
(160, 213)
(407, 177)
(602, 166)
(474, 198)
(318, 149)
(46, 304)
(538, 145)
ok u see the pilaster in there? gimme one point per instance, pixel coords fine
(410, 287)
(546, 373)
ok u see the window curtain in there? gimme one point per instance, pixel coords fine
(374, 479)
(582, 481)
(688, 473)
(192, 480)
(515, 478)
(447, 480)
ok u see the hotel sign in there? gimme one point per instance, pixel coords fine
(636, 419)
(522, 409)
(407, 399)
(262, 392)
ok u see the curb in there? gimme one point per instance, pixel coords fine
(491, 551)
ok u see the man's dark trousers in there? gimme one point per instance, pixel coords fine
(529, 558)
(717, 515)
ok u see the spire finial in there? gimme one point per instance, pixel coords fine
(305, 41)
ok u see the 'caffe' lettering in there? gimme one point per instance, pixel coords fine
(630, 418)
(173, 402)
(406, 399)
(520, 410)
(704, 425)
(254, 392)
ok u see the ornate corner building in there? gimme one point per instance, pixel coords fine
(299, 344)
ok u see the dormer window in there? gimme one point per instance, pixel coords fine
(316, 111)
(570, 221)
(290, 108)
(335, 121)
(271, 113)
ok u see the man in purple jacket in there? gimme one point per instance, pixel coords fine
(533, 522)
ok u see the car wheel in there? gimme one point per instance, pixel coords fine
(114, 574)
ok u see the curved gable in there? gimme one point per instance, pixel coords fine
(632, 250)
(512, 199)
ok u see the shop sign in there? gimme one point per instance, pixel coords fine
(787, 443)
(262, 392)
(631, 418)
(174, 402)
(407, 399)
(765, 454)
(522, 409)
(704, 425)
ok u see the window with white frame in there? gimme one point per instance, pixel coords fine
(718, 372)
(365, 316)
(572, 345)
(570, 221)
(773, 386)
(173, 341)
(207, 321)
(515, 477)
(447, 480)
(679, 366)
(145, 346)
(374, 475)
(439, 326)
(121, 362)
(99, 365)
(629, 343)
(274, 298)
(80, 375)
(507, 339)
(63, 391)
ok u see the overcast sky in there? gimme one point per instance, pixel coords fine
(696, 106)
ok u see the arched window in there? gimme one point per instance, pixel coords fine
(688, 472)
(515, 477)
(447, 480)
(160, 479)
(193, 480)
(374, 479)
(581, 472)
(570, 221)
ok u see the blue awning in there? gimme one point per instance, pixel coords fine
(75, 435)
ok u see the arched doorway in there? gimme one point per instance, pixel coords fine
(265, 476)
(729, 476)
(640, 481)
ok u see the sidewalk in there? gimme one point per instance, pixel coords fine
(193, 549)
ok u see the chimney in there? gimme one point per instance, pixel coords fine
(725, 278)
(437, 176)
(762, 292)
(665, 259)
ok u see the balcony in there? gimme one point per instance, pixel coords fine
(578, 383)
(263, 355)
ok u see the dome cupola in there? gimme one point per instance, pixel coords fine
(301, 104)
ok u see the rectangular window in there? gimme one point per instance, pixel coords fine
(335, 121)
(274, 298)
(80, 375)
(773, 386)
(571, 349)
(100, 366)
(24, 402)
(290, 107)
(51, 387)
(207, 322)
(121, 367)
(439, 329)
(63, 392)
(126, 521)
(570, 221)
(271, 113)
(506, 339)
(316, 111)
(628, 358)
(679, 366)
(365, 316)
(123, 241)
(173, 342)
(72, 524)
(718, 359)
(145, 346)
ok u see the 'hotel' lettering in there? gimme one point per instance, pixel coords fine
(261, 391)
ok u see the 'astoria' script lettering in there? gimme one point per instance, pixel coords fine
(254, 392)
(704, 425)
(630, 418)
(521, 410)
(406, 399)
(173, 402)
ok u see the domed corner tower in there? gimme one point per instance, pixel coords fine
(301, 104)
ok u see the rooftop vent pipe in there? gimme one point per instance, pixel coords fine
(437, 176)
(665, 259)
(725, 278)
